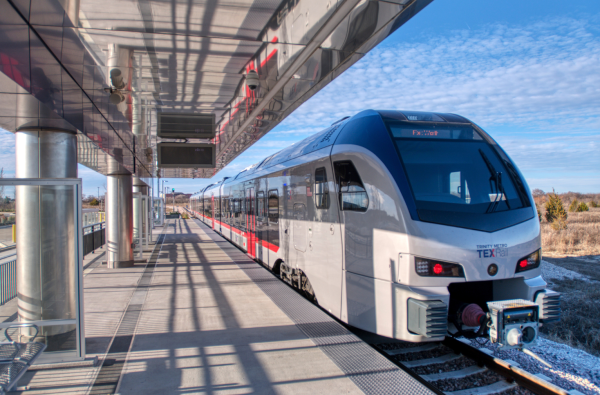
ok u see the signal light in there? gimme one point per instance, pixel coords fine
(529, 262)
(430, 268)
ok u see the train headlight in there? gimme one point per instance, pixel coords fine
(529, 262)
(430, 268)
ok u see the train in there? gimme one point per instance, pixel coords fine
(410, 225)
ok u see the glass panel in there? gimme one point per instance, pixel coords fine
(353, 196)
(458, 178)
(58, 338)
(439, 170)
(273, 207)
(44, 287)
(243, 213)
(261, 204)
(321, 189)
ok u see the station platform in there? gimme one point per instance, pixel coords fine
(202, 317)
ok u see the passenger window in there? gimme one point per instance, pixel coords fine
(273, 206)
(352, 193)
(260, 202)
(243, 213)
(321, 189)
(236, 212)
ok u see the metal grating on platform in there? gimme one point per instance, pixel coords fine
(109, 375)
(367, 368)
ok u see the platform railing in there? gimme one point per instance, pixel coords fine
(8, 280)
(94, 236)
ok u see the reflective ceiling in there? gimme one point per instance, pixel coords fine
(176, 56)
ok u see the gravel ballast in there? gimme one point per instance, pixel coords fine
(572, 369)
(476, 380)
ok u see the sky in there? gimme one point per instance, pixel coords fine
(527, 72)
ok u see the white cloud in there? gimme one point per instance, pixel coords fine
(535, 88)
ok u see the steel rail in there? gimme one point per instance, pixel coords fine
(503, 368)
(510, 372)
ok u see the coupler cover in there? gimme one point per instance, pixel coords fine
(427, 317)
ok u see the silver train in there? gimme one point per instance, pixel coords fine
(404, 224)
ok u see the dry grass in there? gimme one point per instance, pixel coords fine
(581, 237)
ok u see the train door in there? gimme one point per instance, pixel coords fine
(212, 208)
(261, 225)
(272, 232)
(251, 221)
(299, 227)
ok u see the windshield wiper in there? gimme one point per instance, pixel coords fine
(498, 188)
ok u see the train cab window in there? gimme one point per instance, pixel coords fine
(321, 189)
(273, 206)
(352, 193)
(260, 204)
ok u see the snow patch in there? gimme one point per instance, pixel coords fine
(554, 272)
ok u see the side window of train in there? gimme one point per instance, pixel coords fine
(236, 211)
(260, 204)
(273, 206)
(352, 193)
(321, 189)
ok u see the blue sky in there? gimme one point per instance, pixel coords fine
(527, 72)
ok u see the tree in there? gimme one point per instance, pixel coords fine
(555, 212)
(538, 192)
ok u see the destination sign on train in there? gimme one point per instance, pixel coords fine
(428, 132)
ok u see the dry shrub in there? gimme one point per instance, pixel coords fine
(573, 206)
(582, 207)
(558, 224)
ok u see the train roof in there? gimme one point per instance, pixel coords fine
(328, 136)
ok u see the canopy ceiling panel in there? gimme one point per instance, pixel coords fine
(106, 69)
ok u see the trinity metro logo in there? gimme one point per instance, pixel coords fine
(492, 250)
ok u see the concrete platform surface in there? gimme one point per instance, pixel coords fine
(201, 317)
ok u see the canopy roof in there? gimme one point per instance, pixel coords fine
(173, 56)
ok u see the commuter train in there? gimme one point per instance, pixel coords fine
(392, 221)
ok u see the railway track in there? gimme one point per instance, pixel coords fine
(457, 368)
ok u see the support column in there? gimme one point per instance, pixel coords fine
(119, 220)
(138, 209)
(46, 232)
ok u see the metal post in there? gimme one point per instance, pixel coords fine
(119, 220)
(137, 220)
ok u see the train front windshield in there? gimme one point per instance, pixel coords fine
(457, 178)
